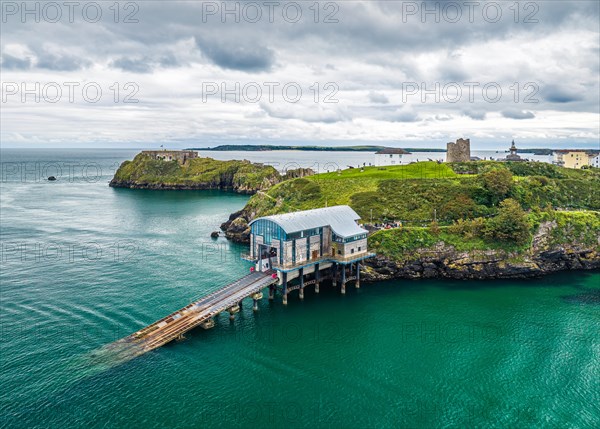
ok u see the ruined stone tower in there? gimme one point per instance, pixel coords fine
(459, 151)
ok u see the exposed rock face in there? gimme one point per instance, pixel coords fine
(445, 262)
(239, 188)
(237, 228)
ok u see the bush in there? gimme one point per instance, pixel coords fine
(468, 228)
(510, 225)
(498, 182)
(461, 207)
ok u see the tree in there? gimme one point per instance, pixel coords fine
(510, 225)
(434, 228)
(461, 207)
(498, 183)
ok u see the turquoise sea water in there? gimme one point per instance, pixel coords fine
(84, 264)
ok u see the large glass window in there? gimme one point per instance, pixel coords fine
(268, 230)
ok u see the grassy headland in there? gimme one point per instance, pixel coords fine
(476, 206)
(197, 173)
(417, 193)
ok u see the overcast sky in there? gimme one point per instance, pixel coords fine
(404, 73)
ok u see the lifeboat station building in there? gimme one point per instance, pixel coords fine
(309, 247)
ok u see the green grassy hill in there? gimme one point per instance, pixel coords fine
(470, 206)
(416, 193)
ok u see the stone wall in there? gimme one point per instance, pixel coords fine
(172, 155)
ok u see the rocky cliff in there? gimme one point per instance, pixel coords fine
(446, 262)
(570, 241)
(236, 228)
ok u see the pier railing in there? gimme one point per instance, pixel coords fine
(322, 259)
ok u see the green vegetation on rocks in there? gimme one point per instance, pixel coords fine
(417, 193)
(197, 173)
(557, 228)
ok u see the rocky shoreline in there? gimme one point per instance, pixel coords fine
(445, 262)
(182, 186)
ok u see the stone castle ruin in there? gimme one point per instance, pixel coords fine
(180, 156)
(459, 151)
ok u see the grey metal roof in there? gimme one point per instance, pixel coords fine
(341, 219)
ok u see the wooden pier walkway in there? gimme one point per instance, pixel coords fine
(176, 324)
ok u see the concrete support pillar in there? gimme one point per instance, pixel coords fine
(357, 275)
(255, 305)
(301, 274)
(343, 279)
(271, 293)
(231, 317)
(317, 277)
(284, 291)
(335, 269)
(301, 293)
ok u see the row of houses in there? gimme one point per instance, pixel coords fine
(576, 158)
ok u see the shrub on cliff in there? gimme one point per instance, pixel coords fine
(498, 182)
(510, 225)
(468, 229)
(460, 207)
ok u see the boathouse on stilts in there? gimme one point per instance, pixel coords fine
(306, 247)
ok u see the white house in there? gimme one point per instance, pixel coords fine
(390, 156)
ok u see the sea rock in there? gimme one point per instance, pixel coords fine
(237, 228)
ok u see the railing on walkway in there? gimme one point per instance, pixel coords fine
(322, 259)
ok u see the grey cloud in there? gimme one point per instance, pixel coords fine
(518, 114)
(378, 97)
(558, 94)
(135, 65)
(146, 64)
(475, 114)
(311, 115)
(60, 62)
(13, 63)
(249, 57)
(169, 60)
(405, 116)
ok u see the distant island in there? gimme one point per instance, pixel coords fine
(259, 148)
(181, 170)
